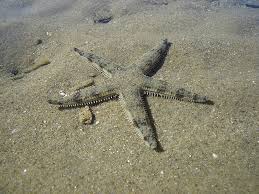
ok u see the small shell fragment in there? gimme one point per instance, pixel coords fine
(85, 116)
(62, 93)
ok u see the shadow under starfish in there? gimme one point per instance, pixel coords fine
(131, 85)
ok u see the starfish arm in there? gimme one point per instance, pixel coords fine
(102, 65)
(151, 61)
(162, 89)
(138, 116)
(85, 97)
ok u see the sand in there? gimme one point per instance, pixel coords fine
(207, 149)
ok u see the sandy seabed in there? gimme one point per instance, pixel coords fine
(207, 149)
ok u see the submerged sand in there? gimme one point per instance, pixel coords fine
(208, 149)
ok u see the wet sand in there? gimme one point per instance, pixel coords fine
(207, 149)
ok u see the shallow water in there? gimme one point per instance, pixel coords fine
(207, 149)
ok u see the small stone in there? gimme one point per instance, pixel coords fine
(215, 155)
(39, 41)
(85, 116)
(102, 18)
(14, 71)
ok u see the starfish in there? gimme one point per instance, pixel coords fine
(131, 85)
